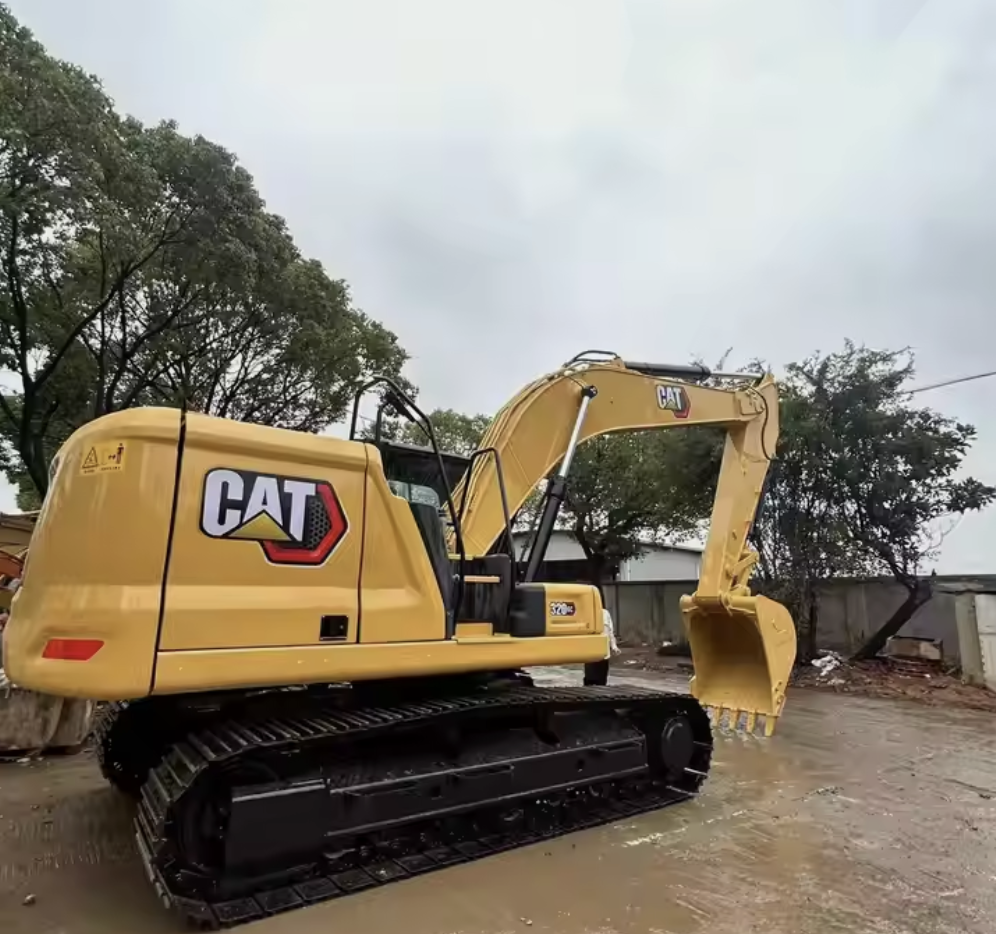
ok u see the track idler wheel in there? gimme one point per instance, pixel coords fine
(670, 746)
(677, 744)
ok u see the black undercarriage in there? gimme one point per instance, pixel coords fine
(252, 804)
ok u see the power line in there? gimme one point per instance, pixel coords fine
(951, 382)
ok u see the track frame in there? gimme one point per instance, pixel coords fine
(225, 754)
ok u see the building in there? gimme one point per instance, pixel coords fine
(15, 530)
(15, 534)
(565, 561)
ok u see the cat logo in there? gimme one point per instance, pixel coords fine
(673, 399)
(296, 521)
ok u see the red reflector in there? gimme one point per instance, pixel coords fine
(72, 650)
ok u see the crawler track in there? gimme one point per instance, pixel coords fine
(255, 812)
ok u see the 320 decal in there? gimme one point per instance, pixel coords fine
(562, 608)
(296, 521)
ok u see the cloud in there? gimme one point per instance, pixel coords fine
(505, 184)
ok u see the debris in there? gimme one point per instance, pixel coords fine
(912, 679)
(29, 900)
(667, 648)
(827, 662)
(914, 667)
(825, 790)
(914, 647)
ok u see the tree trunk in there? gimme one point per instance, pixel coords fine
(595, 563)
(812, 605)
(35, 466)
(920, 594)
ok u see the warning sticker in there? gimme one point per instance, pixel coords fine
(103, 458)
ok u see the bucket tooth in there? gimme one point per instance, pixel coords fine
(741, 722)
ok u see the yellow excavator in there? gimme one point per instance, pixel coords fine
(315, 652)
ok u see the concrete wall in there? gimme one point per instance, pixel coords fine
(849, 611)
(985, 616)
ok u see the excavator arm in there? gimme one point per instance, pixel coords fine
(743, 646)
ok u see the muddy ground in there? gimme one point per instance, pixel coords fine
(859, 815)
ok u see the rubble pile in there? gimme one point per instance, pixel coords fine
(917, 679)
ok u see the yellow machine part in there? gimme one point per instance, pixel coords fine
(743, 646)
(158, 566)
(743, 652)
(161, 550)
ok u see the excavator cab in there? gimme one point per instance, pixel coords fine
(481, 589)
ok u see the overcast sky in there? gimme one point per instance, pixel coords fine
(507, 183)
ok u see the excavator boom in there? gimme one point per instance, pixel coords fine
(743, 646)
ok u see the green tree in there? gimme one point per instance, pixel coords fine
(799, 533)
(862, 482)
(455, 432)
(139, 266)
(629, 489)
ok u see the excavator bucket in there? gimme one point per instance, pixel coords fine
(743, 650)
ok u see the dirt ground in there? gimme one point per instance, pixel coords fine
(865, 816)
(922, 682)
